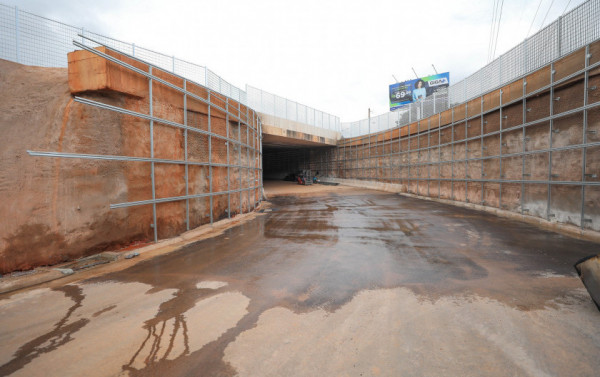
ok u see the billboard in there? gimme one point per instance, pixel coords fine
(405, 92)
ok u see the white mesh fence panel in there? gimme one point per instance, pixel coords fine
(272, 104)
(568, 33)
(29, 39)
(33, 40)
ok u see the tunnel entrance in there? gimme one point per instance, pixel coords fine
(284, 157)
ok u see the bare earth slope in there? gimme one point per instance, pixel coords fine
(56, 209)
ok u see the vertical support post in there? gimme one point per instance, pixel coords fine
(151, 113)
(185, 140)
(481, 149)
(17, 34)
(173, 69)
(407, 165)
(133, 50)
(210, 164)
(551, 127)
(524, 156)
(369, 134)
(585, 126)
(559, 38)
(228, 161)
(439, 163)
(452, 156)
(239, 161)
(500, 149)
(344, 162)
(418, 154)
(429, 156)
(466, 153)
(247, 165)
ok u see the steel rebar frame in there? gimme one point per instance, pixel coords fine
(550, 180)
(251, 119)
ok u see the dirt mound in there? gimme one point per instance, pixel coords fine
(57, 209)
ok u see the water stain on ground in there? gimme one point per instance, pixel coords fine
(319, 252)
(61, 333)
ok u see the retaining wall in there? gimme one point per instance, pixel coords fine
(60, 207)
(531, 147)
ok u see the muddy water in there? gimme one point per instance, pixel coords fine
(311, 253)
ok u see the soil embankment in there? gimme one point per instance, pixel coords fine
(57, 209)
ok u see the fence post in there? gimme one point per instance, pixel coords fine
(173, 70)
(525, 56)
(500, 82)
(17, 33)
(559, 37)
(133, 53)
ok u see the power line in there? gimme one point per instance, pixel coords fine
(544, 20)
(565, 11)
(498, 30)
(534, 16)
(494, 6)
(495, 26)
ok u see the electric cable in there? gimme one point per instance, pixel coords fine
(544, 20)
(498, 30)
(534, 16)
(491, 30)
(565, 11)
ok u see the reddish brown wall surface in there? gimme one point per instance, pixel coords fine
(57, 209)
(440, 156)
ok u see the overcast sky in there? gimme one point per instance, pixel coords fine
(336, 56)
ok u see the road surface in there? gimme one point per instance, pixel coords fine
(348, 283)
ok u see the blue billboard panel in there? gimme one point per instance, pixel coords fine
(403, 93)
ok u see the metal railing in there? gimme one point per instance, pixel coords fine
(533, 151)
(272, 104)
(569, 32)
(30, 39)
(243, 186)
(27, 38)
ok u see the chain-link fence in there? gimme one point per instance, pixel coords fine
(569, 32)
(30, 39)
(272, 104)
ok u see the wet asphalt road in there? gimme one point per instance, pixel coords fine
(308, 254)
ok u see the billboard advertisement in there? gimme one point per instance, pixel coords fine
(405, 92)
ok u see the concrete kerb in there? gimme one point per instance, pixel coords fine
(570, 230)
(48, 274)
(380, 186)
(566, 229)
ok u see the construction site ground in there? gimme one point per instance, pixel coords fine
(326, 280)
